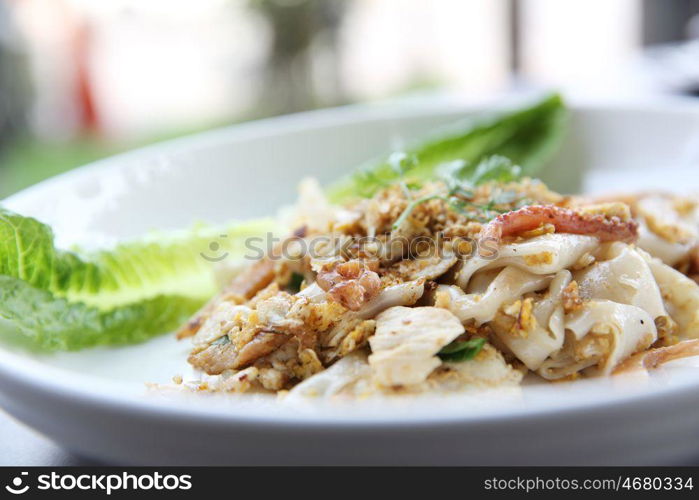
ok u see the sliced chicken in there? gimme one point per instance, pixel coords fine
(406, 343)
(242, 288)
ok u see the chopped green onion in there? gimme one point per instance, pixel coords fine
(462, 350)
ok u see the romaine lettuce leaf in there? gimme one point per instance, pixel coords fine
(527, 137)
(40, 320)
(69, 299)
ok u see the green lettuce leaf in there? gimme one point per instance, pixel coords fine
(460, 175)
(61, 299)
(528, 137)
(40, 320)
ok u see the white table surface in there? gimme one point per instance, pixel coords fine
(20, 445)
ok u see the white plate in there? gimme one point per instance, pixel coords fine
(95, 403)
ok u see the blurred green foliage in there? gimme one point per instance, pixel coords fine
(28, 161)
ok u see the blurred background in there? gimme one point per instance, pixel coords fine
(83, 79)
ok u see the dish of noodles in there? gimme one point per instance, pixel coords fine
(476, 277)
(441, 267)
